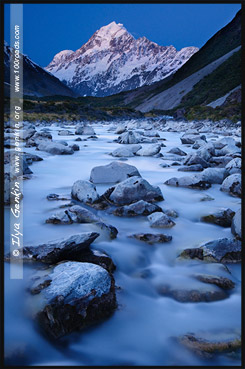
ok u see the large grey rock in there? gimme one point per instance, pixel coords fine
(65, 132)
(121, 152)
(220, 160)
(134, 189)
(28, 133)
(195, 181)
(138, 208)
(58, 250)
(113, 172)
(233, 185)
(222, 217)
(222, 250)
(130, 137)
(213, 175)
(160, 220)
(177, 151)
(121, 128)
(151, 133)
(234, 166)
(55, 148)
(236, 225)
(73, 296)
(192, 159)
(87, 130)
(149, 150)
(78, 214)
(38, 138)
(84, 191)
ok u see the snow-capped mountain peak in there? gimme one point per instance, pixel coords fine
(111, 30)
(112, 60)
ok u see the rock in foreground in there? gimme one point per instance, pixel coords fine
(58, 250)
(84, 191)
(223, 217)
(74, 296)
(223, 250)
(132, 190)
(138, 208)
(208, 347)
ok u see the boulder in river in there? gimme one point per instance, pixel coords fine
(73, 296)
(78, 214)
(195, 182)
(192, 159)
(55, 148)
(74, 147)
(149, 150)
(198, 294)
(113, 172)
(151, 238)
(233, 185)
(122, 152)
(84, 191)
(140, 207)
(160, 220)
(84, 130)
(236, 225)
(132, 190)
(222, 250)
(222, 282)
(58, 250)
(177, 151)
(210, 344)
(222, 217)
(121, 128)
(213, 175)
(130, 137)
(234, 166)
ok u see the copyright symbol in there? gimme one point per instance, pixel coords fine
(16, 253)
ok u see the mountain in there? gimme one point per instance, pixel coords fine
(36, 81)
(113, 61)
(210, 74)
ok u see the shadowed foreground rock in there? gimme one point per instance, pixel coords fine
(207, 348)
(223, 217)
(201, 294)
(78, 214)
(223, 250)
(73, 296)
(58, 250)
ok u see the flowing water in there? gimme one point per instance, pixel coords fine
(141, 330)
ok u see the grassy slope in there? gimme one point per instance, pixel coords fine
(215, 85)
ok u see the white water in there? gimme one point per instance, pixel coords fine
(140, 331)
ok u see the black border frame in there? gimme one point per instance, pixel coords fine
(2, 3)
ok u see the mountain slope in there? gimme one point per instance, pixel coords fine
(224, 41)
(36, 81)
(173, 96)
(113, 60)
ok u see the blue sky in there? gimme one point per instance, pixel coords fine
(50, 28)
